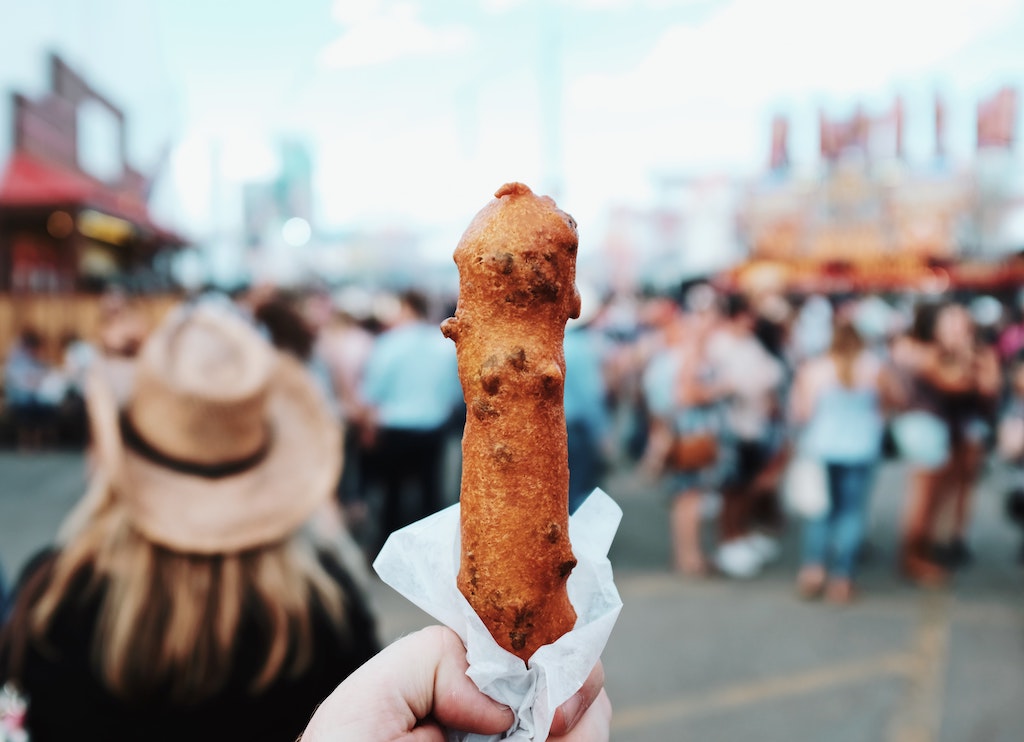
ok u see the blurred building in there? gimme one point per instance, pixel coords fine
(865, 217)
(269, 205)
(867, 220)
(279, 231)
(285, 244)
(690, 232)
(73, 212)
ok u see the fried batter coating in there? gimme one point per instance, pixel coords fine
(517, 269)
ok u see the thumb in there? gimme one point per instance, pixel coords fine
(419, 677)
(458, 703)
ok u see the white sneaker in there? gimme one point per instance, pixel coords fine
(766, 547)
(738, 559)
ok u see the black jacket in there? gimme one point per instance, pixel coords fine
(68, 700)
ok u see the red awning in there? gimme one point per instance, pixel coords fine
(30, 182)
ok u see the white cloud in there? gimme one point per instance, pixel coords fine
(754, 51)
(502, 6)
(351, 12)
(700, 100)
(374, 33)
(634, 4)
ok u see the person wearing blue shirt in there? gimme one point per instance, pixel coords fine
(24, 374)
(412, 390)
(587, 420)
(839, 400)
(3, 595)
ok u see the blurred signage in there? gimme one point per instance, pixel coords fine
(861, 133)
(105, 228)
(850, 216)
(997, 119)
(779, 158)
(837, 136)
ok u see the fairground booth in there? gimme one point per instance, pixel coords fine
(74, 218)
(870, 222)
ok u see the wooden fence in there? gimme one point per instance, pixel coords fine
(54, 315)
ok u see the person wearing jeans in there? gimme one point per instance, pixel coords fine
(834, 538)
(838, 397)
(3, 595)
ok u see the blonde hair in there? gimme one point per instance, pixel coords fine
(170, 622)
(847, 345)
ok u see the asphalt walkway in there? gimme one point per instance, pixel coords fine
(723, 661)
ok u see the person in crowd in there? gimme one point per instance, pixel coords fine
(79, 355)
(417, 688)
(682, 400)
(634, 329)
(750, 380)
(875, 322)
(954, 382)
(187, 596)
(289, 331)
(812, 328)
(3, 594)
(25, 376)
(1010, 448)
(922, 440)
(1010, 343)
(839, 399)
(345, 345)
(122, 327)
(773, 328)
(587, 419)
(963, 354)
(988, 315)
(78, 358)
(411, 392)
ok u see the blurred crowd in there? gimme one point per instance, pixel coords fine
(43, 400)
(734, 405)
(642, 371)
(207, 584)
(216, 440)
(772, 410)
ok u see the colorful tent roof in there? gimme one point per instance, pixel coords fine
(29, 182)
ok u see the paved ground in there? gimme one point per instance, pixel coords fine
(723, 661)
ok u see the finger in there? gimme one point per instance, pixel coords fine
(594, 725)
(458, 703)
(572, 710)
(426, 733)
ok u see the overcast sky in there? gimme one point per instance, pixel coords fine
(418, 111)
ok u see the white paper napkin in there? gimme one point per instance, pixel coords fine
(421, 561)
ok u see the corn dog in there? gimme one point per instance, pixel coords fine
(517, 270)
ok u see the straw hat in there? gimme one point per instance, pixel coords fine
(217, 443)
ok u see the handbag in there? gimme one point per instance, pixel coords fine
(693, 451)
(805, 487)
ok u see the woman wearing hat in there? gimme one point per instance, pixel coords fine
(188, 598)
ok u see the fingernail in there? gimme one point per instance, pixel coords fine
(502, 706)
(573, 709)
